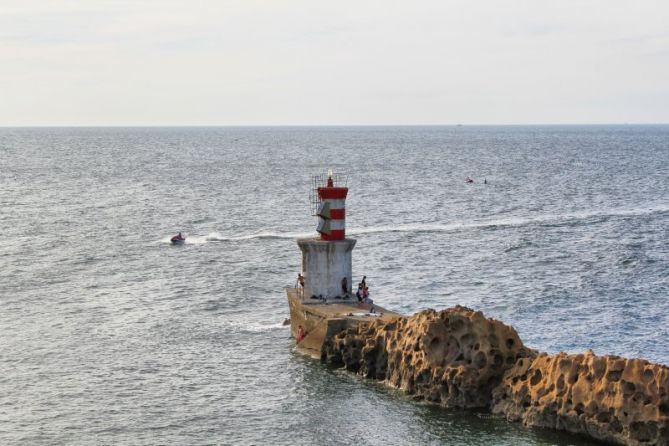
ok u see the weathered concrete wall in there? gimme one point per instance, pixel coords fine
(324, 264)
(459, 358)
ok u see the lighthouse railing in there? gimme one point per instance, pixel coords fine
(321, 180)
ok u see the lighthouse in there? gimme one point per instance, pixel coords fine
(325, 307)
(326, 258)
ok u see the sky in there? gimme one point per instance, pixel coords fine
(293, 62)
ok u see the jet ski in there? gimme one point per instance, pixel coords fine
(178, 239)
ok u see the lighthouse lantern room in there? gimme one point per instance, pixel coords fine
(326, 259)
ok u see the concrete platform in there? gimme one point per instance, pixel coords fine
(323, 320)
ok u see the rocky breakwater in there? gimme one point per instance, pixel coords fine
(623, 401)
(459, 358)
(454, 357)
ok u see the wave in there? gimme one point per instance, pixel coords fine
(217, 237)
(519, 245)
(190, 240)
(541, 220)
(254, 327)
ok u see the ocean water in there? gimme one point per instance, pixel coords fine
(110, 335)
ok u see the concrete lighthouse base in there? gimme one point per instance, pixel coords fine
(325, 264)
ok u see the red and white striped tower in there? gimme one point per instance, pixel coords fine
(332, 211)
(327, 260)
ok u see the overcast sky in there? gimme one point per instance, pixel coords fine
(282, 62)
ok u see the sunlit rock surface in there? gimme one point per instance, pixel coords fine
(453, 357)
(607, 397)
(459, 358)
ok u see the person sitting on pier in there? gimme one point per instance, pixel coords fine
(358, 293)
(365, 297)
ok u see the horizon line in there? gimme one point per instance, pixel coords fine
(325, 125)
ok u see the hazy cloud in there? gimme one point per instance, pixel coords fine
(303, 62)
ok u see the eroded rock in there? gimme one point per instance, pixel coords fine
(459, 358)
(609, 398)
(453, 357)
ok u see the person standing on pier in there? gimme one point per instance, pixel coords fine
(300, 283)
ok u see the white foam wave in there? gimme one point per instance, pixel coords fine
(432, 227)
(506, 222)
(190, 240)
(254, 326)
(195, 240)
(436, 227)
(217, 237)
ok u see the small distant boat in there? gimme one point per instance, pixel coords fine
(468, 180)
(178, 239)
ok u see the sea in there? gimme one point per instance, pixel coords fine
(111, 335)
